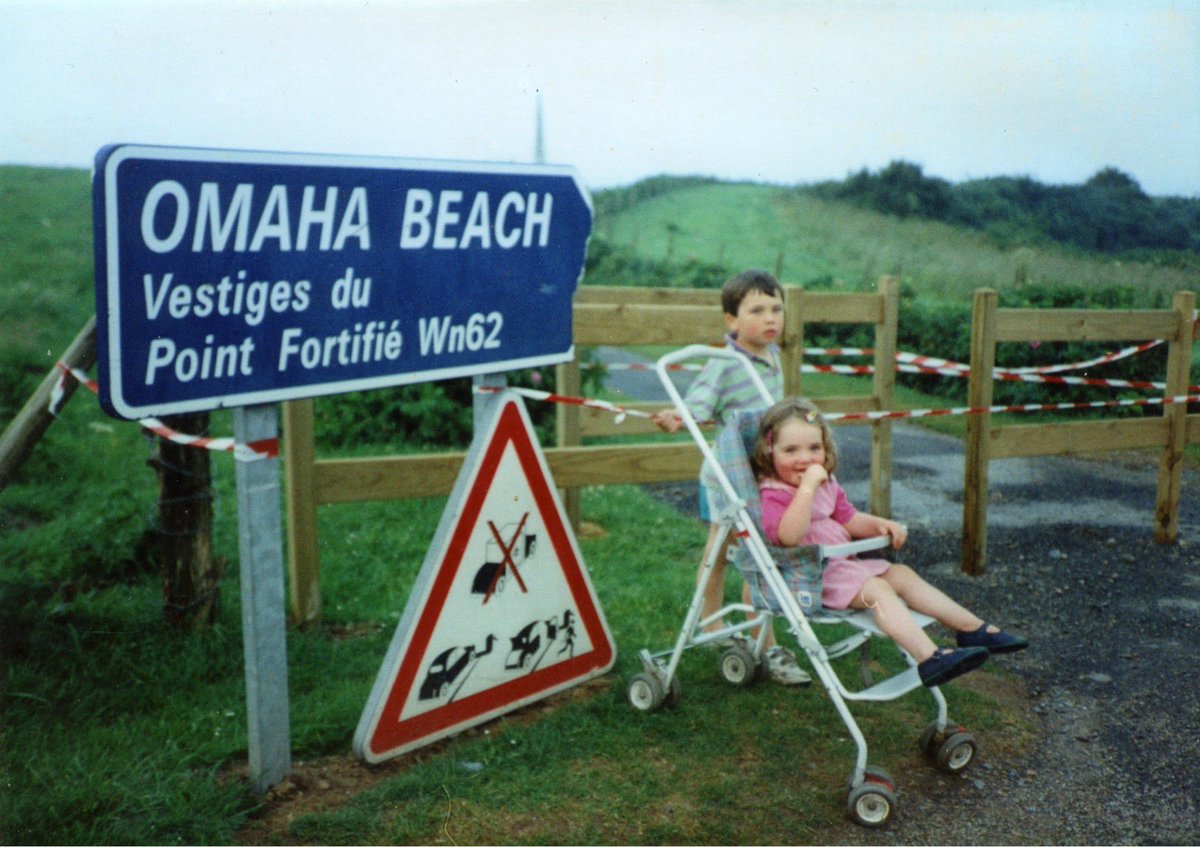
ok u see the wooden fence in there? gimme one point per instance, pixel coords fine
(985, 441)
(615, 316)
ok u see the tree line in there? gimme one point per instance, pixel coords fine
(1109, 213)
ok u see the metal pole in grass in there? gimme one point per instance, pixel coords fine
(264, 624)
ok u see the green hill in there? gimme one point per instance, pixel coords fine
(813, 242)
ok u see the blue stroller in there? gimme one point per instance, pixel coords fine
(786, 581)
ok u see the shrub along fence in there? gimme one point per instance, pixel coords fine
(616, 316)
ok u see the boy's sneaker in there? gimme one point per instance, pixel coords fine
(783, 668)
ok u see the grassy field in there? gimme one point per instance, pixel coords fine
(115, 729)
(744, 225)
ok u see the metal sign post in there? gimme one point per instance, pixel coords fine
(264, 623)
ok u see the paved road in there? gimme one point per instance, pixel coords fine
(1112, 679)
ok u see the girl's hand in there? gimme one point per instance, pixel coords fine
(897, 531)
(814, 475)
(863, 525)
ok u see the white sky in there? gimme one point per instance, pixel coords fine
(774, 91)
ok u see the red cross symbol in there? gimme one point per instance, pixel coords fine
(508, 562)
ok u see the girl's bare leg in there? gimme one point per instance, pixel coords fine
(891, 615)
(923, 597)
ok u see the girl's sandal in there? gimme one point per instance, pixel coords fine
(995, 642)
(948, 662)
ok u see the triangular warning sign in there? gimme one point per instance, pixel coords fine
(502, 613)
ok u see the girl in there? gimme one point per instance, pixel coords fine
(802, 503)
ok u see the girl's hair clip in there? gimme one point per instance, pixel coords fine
(810, 416)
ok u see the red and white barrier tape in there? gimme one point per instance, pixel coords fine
(996, 410)
(622, 411)
(915, 363)
(535, 394)
(953, 369)
(268, 448)
(1048, 379)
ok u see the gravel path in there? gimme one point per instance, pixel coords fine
(1112, 680)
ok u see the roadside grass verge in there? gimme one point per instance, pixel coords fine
(759, 765)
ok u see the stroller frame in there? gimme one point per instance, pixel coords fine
(871, 799)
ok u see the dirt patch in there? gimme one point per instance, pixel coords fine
(325, 784)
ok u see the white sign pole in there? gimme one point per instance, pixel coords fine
(264, 625)
(481, 403)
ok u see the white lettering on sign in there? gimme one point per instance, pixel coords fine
(250, 299)
(212, 361)
(517, 218)
(215, 225)
(442, 335)
(374, 341)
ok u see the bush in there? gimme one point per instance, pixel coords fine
(429, 414)
(1110, 213)
(616, 264)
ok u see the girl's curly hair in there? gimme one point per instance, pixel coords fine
(796, 408)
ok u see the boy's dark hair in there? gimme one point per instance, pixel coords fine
(737, 287)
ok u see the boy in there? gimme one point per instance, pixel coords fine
(753, 305)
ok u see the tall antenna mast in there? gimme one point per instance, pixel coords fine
(539, 144)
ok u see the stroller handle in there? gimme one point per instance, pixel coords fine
(704, 351)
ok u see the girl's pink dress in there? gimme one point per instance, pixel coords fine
(844, 577)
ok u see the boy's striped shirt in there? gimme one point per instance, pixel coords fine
(723, 385)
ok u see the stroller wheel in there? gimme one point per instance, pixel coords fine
(876, 775)
(956, 752)
(928, 741)
(739, 666)
(871, 804)
(646, 692)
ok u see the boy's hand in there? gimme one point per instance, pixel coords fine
(667, 420)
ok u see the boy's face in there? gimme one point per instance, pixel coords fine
(758, 322)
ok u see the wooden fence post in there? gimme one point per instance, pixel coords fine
(190, 577)
(792, 345)
(1170, 469)
(884, 389)
(568, 381)
(979, 395)
(31, 422)
(299, 471)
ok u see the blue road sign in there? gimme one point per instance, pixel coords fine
(231, 278)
